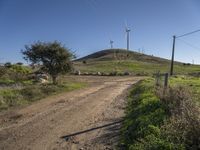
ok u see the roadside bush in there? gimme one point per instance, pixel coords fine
(8, 64)
(18, 72)
(157, 120)
(183, 126)
(20, 69)
(2, 71)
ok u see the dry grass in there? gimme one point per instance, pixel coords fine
(183, 125)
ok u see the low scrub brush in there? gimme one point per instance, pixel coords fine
(183, 126)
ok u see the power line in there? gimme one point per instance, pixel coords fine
(188, 33)
(173, 47)
(189, 44)
(93, 4)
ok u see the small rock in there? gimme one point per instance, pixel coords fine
(98, 73)
(78, 72)
(126, 73)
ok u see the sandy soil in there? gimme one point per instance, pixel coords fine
(92, 115)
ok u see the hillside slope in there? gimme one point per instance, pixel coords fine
(120, 61)
(121, 54)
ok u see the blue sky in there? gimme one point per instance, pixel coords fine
(86, 26)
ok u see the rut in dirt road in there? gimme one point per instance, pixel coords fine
(92, 115)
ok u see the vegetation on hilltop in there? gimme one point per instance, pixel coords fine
(122, 54)
(112, 60)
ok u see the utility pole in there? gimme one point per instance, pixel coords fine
(173, 48)
(172, 60)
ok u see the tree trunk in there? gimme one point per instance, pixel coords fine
(54, 79)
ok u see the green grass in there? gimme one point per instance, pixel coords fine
(144, 116)
(192, 83)
(150, 123)
(10, 97)
(6, 81)
(17, 88)
(133, 66)
(11, 82)
(121, 60)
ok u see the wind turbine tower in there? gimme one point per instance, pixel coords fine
(111, 44)
(127, 37)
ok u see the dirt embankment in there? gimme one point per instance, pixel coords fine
(92, 115)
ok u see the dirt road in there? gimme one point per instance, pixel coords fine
(93, 114)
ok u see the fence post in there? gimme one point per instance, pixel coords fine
(166, 80)
(157, 78)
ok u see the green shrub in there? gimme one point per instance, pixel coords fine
(183, 126)
(2, 71)
(18, 72)
(20, 69)
(8, 64)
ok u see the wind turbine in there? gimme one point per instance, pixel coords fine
(127, 30)
(127, 37)
(111, 44)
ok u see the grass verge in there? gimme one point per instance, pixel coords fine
(157, 121)
(11, 97)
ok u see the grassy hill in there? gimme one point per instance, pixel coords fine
(122, 54)
(121, 60)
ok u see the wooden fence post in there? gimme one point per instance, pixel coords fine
(157, 78)
(166, 80)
